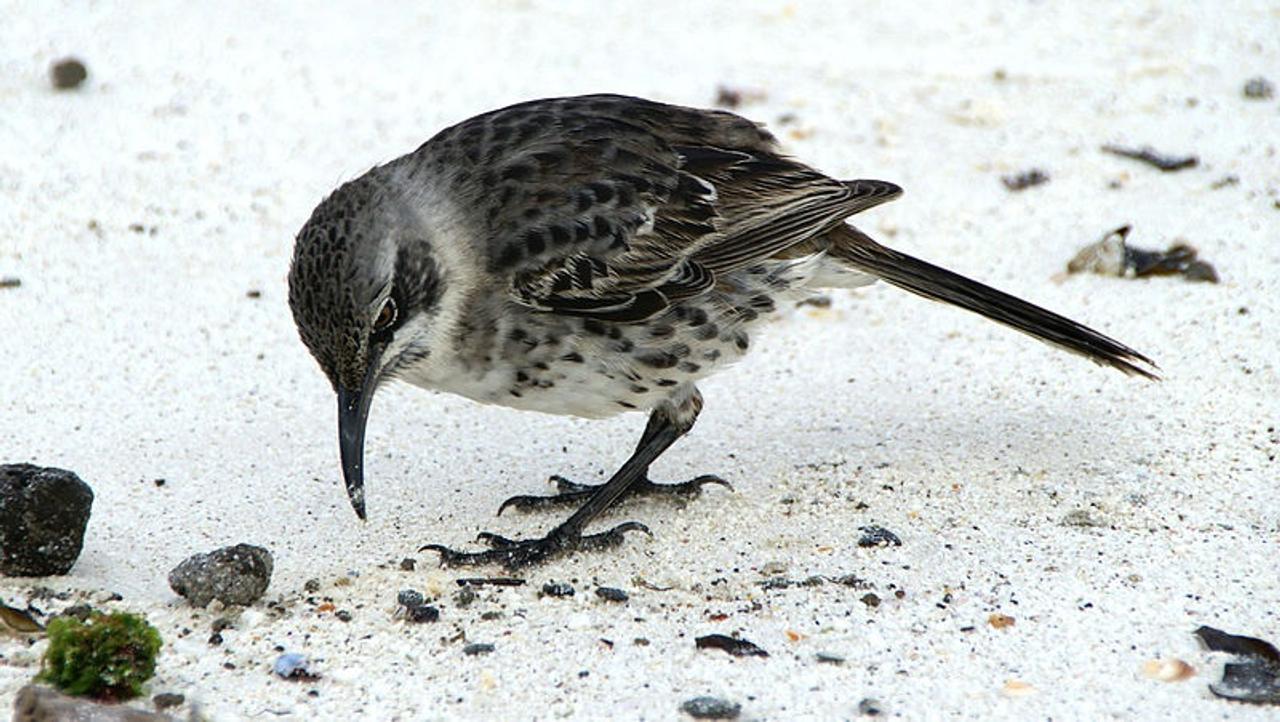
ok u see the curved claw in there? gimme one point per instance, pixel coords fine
(697, 483)
(565, 486)
(627, 526)
(495, 541)
(447, 555)
(612, 538)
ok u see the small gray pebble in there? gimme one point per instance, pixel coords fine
(870, 707)
(877, 536)
(410, 598)
(311, 586)
(1259, 88)
(472, 650)
(711, 708)
(557, 589)
(408, 564)
(233, 575)
(611, 594)
(828, 658)
(464, 597)
(166, 700)
(343, 615)
(79, 611)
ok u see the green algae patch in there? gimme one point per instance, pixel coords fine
(109, 657)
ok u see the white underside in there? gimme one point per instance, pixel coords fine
(595, 388)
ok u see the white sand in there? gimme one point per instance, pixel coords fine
(132, 356)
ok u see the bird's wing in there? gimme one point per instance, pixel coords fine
(613, 207)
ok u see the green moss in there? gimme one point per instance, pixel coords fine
(109, 657)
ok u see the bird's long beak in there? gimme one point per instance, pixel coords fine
(353, 415)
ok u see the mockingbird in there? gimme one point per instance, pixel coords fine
(591, 256)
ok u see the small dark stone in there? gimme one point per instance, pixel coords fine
(464, 597)
(1225, 181)
(222, 623)
(1259, 88)
(870, 707)
(557, 589)
(711, 708)
(215, 639)
(1200, 271)
(640, 642)
(492, 581)
(253, 293)
(68, 73)
(167, 700)
(1026, 179)
(851, 580)
(612, 594)
(1166, 163)
(727, 97)
(877, 536)
(491, 615)
(10, 282)
(410, 598)
(819, 301)
(828, 658)
(343, 615)
(735, 647)
(472, 650)
(159, 482)
(43, 515)
(423, 614)
(408, 564)
(871, 600)
(311, 586)
(79, 611)
(233, 575)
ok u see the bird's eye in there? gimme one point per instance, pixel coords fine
(386, 316)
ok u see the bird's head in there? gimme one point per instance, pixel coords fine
(364, 287)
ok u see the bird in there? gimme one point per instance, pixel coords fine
(591, 256)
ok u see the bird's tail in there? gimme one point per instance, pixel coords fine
(855, 248)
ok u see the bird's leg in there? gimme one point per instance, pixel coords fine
(666, 424)
(572, 492)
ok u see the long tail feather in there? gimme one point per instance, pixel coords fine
(855, 248)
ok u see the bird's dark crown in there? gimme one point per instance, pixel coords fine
(357, 241)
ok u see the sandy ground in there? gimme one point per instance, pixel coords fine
(140, 211)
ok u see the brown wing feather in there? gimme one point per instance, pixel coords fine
(611, 207)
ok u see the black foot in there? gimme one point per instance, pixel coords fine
(572, 493)
(517, 553)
